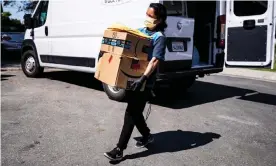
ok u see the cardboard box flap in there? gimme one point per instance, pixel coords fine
(107, 62)
(123, 28)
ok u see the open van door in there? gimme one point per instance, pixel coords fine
(179, 34)
(250, 33)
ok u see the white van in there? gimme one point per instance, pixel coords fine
(67, 34)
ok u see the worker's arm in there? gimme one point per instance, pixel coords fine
(151, 66)
(158, 54)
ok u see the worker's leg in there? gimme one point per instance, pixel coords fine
(133, 116)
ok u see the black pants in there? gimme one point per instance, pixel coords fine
(134, 117)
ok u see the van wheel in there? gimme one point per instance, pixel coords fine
(30, 64)
(114, 93)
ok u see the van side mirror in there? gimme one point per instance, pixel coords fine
(28, 21)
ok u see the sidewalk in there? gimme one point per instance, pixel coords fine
(249, 73)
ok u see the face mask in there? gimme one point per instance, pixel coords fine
(150, 22)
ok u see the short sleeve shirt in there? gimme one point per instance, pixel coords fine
(158, 50)
(158, 43)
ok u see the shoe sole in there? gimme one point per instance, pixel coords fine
(151, 141)
(112, 159)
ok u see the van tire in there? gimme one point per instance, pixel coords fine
(116, 94)
(33, 69)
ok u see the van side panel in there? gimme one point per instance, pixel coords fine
(76, 29)
(41, 40)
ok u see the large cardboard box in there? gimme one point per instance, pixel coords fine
(125, 44)
(120, 71)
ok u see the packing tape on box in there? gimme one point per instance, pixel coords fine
(116, 42)
(113, 42)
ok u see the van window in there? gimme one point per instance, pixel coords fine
(41, 14)
(175, 8)
(249, 8)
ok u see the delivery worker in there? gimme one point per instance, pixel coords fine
(155, 25)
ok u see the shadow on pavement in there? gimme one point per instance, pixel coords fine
(10, 59)
(4, 76)
(174, 141)
(77, 78)
(204, 92)
(260, 98)
(200, 93)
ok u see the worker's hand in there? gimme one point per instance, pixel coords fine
(137, 85)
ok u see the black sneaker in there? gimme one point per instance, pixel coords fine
(114, 155)
(144, 141)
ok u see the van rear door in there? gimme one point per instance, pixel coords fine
(179, 34)
(250, 33)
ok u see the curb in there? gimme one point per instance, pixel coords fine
(250, 74)
(247, 77)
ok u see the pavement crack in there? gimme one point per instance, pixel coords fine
(30, 146)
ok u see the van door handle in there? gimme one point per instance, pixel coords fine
(249, 24)
(46, 30)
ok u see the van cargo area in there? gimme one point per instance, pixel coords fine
(204, 15)
(204, 28)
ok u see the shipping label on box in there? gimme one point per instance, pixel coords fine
(126, 44)
(120, 71)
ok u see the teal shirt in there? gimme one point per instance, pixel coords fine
(158, 48)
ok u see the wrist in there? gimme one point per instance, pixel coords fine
(144, 78)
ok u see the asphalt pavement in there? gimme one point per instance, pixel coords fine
(65, 118)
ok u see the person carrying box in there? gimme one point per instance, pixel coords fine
(155, 25)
